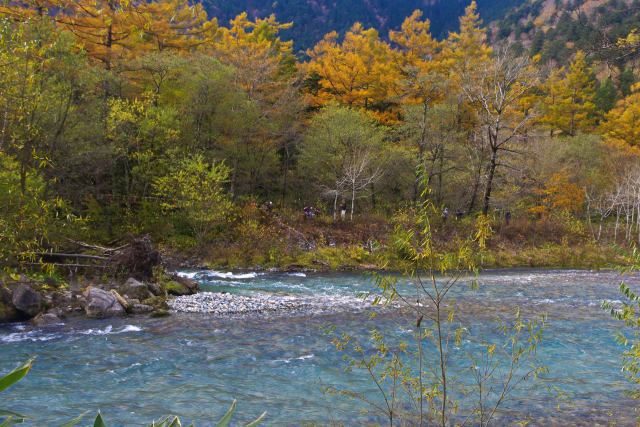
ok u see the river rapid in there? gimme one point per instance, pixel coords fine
(193, 365)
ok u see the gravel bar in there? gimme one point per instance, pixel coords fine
(226, 303)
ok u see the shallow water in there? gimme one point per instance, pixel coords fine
(193, 365)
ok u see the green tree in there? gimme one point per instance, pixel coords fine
(341, 153)
(196, 188)
(626, 79)
(606, 96)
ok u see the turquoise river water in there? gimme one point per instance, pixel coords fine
(193, 365)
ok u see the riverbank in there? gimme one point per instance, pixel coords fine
(287, 242)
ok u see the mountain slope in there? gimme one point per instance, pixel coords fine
(556, 29)
(314, 18)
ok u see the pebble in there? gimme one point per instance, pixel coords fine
(226, 303)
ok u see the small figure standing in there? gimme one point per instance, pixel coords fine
(507, 217)
(459, 214)
(308, 212)
(268, 206)
(343, 209)
(445, 214)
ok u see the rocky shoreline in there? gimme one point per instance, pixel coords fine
(47, 302)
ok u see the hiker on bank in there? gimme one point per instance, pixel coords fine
(459, 214)
(308, 212)
(445, 214)
(343, 209)
(507, 217)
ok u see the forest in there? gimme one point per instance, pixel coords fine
(132, 118)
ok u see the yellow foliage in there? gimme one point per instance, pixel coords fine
(621, 123)
(568, 104)
(419, 57)
(359, 72)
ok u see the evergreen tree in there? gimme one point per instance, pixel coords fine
(606, 95)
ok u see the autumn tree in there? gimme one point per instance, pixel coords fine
(621, 123)
(422, 82)
(467, 49)
(265, 70)
(102, 27)
(358, 72)
(568, 105)
(175, 25)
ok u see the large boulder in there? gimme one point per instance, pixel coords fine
(26, 300)
(100, 303)
(132, 288)
(46, 319)
(8, 312)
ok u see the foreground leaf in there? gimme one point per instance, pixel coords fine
(14, 376)
(227, 417)
(99, 422)
(75, 420)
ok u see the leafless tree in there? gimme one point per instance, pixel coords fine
(495, 90)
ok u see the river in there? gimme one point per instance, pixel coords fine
(193, 365)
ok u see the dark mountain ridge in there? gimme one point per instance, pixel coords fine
(312, 19)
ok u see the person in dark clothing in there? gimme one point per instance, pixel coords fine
(343, 209)
(308, 212)
(459, 214)
(445, 214)
(507, 217)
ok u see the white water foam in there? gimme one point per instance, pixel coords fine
(188, 275)
(28, 336)
(109, 330)
(229, 275)
(305, 357)
(296, 274)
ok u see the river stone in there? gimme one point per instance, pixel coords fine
(135, 289)
(141, 308)
(45, 319)
(100, 303)
(26, 300)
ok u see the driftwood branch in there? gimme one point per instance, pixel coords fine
(60, 255)
(96, 247)
(67, 265)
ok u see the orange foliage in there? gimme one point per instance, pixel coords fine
(560, 195)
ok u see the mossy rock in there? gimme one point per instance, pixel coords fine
(175, 288)
(161, 312)
(157, 302)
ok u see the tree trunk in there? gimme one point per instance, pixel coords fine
(492, 170)
(353, 199)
